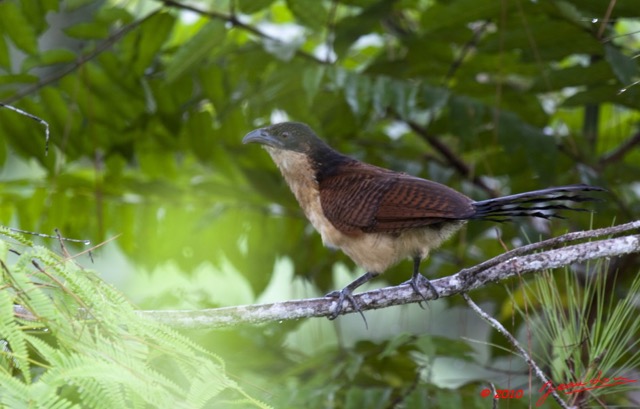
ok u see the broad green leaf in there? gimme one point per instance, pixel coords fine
(76, 4)
(594, 8)
(466, 116)
(17, 27)
(252, 6)
(111, 15)
(434, 98)
(605, 93)
(575, 76)
(18, 79)
(311, 13)
(350, 28)
(525, 142)
(311, 80)
(88, 31)
(199, 47)
(49, 57)
(358, 90)
(5, 61)
(381, 94)
(543, 39)
(458, 13)
(625, 68)
(198, 131)
(36, 12)
(141, 47)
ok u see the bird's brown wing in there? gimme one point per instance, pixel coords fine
(364, 198)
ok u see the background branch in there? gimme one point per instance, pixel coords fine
(514, 342)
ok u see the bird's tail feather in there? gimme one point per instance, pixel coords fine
(544, 203)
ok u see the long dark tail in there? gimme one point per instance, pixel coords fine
(542, 203)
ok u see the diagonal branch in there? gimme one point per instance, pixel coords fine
(451, 158)
(523, 352)
(502, 267)
(232, 20)
(513, 263)
(82, 60)
(619, 153)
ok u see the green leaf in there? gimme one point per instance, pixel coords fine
(50, 57)
(381, 94)
(36, 12)
(5, 60)
(310, 13)
(311, 80)
(199, 47)
(623, 66)
(111, 15)
(467, 115)
(574, 76)
(18, 78)
(88, 31)
(543, 39)
(17, 27)
(252, 6)
(357, 91)
(142, 48)
(458, 13)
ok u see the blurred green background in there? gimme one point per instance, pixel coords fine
(148, 101)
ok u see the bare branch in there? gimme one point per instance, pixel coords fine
(501, 329)
(457, 163)
(618, 153)
(234, 22)
(507, 265)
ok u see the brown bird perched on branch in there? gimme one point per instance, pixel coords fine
(379, 217)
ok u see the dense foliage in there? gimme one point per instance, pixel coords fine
(147, 102)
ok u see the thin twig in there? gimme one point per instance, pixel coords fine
(451, 158)
(606, 18)
(618, 153)
(470, 45)
(35, 118)
(234, 22)
(502, 330)
(103, 46)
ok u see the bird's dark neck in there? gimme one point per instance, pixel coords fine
(326, 162)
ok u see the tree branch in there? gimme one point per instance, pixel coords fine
(458, 164)
(502, 267)
(619, 153)
(83, 59)
(510, 264)
(234, 22)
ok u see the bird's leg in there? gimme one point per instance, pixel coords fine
(418, 279)
(347, 294)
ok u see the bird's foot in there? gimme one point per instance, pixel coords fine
(418, 280)
(342, 295)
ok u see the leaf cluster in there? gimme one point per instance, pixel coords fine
(76, 341)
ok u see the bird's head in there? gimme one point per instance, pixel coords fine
(288, 136)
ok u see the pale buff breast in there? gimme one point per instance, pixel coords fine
(305, 189)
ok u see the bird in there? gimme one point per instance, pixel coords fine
(379, 217)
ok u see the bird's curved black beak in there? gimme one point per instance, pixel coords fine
(263, 137)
